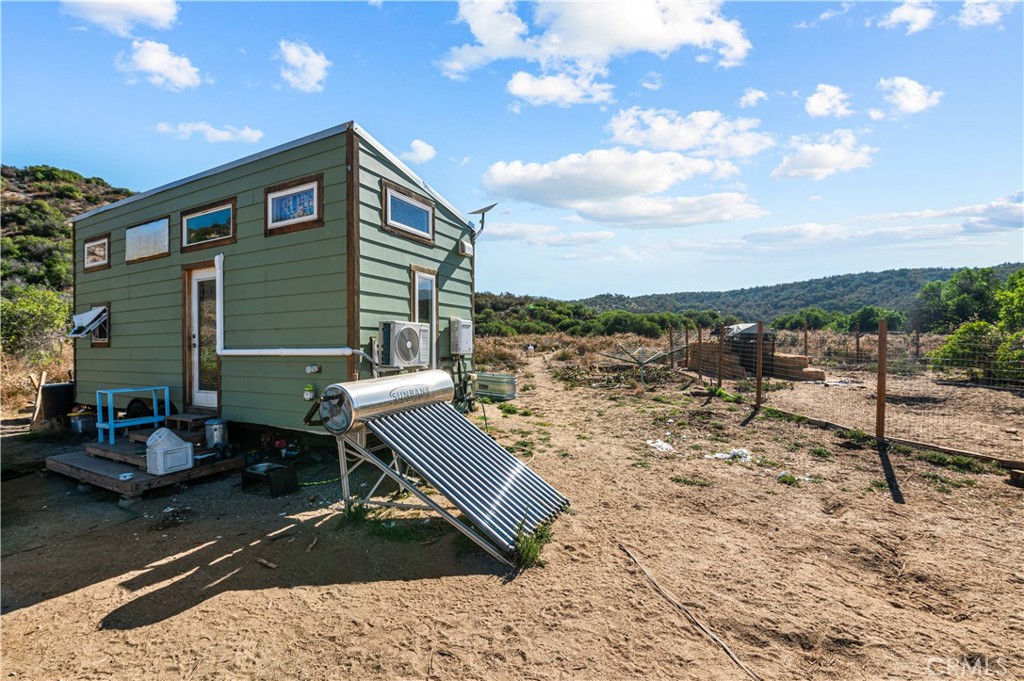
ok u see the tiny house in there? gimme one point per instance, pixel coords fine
(240, 286)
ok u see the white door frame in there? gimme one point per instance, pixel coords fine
(200, 398)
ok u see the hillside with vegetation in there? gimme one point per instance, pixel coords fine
(37, 267)
(844, 293)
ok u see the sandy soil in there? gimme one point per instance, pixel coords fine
(918, 408)
(829, 579)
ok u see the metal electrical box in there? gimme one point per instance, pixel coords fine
(461, 336)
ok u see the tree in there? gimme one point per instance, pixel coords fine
(1011, 303)
(32, 320)
(972, 347)
(969, 295)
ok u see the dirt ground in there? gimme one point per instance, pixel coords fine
(826, 578)
(918, 408)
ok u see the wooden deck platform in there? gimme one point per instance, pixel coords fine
(131, 452)
(104, 472)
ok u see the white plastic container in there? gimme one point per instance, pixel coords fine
(167, 453)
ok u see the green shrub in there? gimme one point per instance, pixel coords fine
(33, 320)
(529, 545)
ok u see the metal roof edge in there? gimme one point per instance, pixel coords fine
(383, 151)
(309, 139)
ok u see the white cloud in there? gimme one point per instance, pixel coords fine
(907, 96)
(827, 15)
(121, 17)
(419, 152)
(546, 236)
(228, 133)
(751, 97)
(671, 211)
(652, 81)
(573, 43)
(706, 133)
(830, 154)
(916, 15)
(304, 68)
(597, 174)
(982, 13)
(561, 89)
(828, 100)
(876, 114)
(1004, 213)
(161, 67)
(619, 187)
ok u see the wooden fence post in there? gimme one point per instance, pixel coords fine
(917, 341)
(686, 340)
(671, 347)
(805, 340)
(883, 333)
(700, 352)
(759, 361)
(721, 337)
(856, 340)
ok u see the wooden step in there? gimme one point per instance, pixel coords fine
(132, 453)
(104, 473)
(187, 422)
(142, 434)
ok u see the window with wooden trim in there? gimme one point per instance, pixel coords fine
(95, 324)
(147, 241)
(96, 253)
(407, 213)
(294, 206)
(207, 226)
(101, 334)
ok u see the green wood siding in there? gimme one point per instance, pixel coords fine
(286, 290)
(386, 258)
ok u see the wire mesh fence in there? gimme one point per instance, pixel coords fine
(942, 391)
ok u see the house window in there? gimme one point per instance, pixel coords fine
(294, 206)
(95, 323)
(97, 253)
(147, 241)
(425, 306)
(408, 214)
(208, 226)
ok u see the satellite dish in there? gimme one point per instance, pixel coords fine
(407, 345)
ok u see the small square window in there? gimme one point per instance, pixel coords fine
(97, 253)
(147, 241)
(208, 226)
(408, 214)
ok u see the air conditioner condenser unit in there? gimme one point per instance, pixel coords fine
(404, 344)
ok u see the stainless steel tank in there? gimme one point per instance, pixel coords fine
(343, 405)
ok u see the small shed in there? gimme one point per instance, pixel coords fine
(741, 339)
(239, 286)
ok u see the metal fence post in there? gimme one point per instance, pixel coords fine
(883, 333)
(721, 337)
(759, 361)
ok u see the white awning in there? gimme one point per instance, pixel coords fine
(87, 322)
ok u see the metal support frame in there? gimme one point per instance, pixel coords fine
(394, 470)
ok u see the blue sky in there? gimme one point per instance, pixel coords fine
(633, 148)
